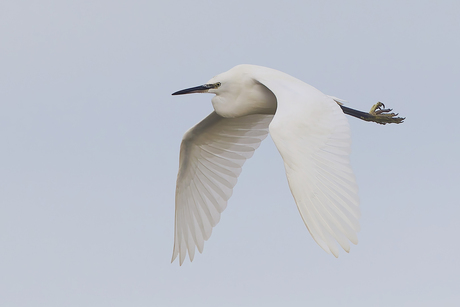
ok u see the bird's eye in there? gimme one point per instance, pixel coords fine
(217, 84)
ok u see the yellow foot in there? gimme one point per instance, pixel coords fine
(383, 116)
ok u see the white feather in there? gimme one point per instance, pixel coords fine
(212, 154)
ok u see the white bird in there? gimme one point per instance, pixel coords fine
(311, 133)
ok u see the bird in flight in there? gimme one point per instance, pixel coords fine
(311, 133)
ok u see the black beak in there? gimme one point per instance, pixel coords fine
(197, 89)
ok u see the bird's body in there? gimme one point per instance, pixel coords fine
(311, 133)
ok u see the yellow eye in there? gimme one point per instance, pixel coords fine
(217, 84)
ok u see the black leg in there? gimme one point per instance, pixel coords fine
(377, 114)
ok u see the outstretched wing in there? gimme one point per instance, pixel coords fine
(211, 156)
(313, 137)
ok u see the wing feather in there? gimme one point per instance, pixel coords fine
(212, 154)
(313, 137)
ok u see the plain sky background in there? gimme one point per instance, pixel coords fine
(90, 139)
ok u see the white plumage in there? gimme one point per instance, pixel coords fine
(311, 133)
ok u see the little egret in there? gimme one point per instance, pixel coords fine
(311, 133)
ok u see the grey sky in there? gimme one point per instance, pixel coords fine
(90, 141)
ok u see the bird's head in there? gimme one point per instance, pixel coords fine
(237, 92)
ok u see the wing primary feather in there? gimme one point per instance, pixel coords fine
(344, 199)
(313, 228)
(202, 204)
(183, 242)
(349, 223)
(335, 225)
(213, 186)
(199, 226)
(209, 195)
(191, 234)
(327, 233)
(339, 187)
(344, 227)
